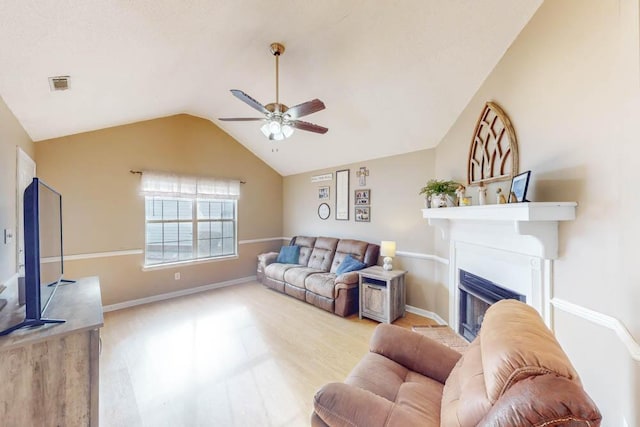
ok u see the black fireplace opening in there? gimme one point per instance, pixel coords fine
(476, 296)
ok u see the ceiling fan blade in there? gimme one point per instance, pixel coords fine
(305, 108)
(249, 101)
(302, 125)
(241, 119)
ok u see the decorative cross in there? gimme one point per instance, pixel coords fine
(363, 173)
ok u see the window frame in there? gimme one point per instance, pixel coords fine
(195, 222)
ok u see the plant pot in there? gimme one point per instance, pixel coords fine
(441, 201)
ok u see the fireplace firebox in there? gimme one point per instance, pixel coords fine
(476, 296)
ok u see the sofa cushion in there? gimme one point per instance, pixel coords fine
(350, 264)
(322, 254)
(289, 254)
(321, 284)
(306, 246)
(276, 270)
(296, 276)
(356, 248)
(407, 389)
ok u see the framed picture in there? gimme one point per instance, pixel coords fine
(323, 193)
(324, 211)
(363, 213)
(362, 197)
(342, 195)
(519, 186)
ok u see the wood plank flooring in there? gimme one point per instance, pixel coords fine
(238, 356)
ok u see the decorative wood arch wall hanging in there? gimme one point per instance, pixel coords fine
(493, 155)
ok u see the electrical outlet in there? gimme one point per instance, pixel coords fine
(8, 235)
(176, 276)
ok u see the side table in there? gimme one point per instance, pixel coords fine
(382, 294)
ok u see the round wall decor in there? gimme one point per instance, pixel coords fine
(324, 211)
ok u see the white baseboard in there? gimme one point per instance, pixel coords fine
(603, 320)
(176, 294)
(425, 313)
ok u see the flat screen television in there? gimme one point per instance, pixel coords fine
(43, 263)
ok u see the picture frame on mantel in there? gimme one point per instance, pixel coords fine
(342, 195)
(519, 187)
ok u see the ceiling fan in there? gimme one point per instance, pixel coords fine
(279, 119)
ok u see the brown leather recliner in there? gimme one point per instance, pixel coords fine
(513, 374)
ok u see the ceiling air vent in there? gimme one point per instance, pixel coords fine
(59, 83)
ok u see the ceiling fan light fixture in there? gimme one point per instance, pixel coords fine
(275, 127)
(287, 130)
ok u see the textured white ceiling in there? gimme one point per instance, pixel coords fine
(394, 75)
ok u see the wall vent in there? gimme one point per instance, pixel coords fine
(59, 83)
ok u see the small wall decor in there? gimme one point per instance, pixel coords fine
(320, 178)
(323, 193)
(519, 186)
(363, 197)
(342, 195)
(324, 211)
(493, 155)
(362, 175)
(363, 213)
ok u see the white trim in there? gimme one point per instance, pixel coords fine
(425, 313)
(423, 256)
(603, 320)
(188, 262)
(268, 239)
(95, 255)
(176, 294)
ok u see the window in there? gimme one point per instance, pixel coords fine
(189, 218)
(182, 229)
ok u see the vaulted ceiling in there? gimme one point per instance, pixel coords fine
(394, 75)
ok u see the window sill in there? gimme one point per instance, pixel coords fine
(187, 263)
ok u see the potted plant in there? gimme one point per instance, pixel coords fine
(439, 193)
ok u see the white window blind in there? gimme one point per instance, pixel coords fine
(159, 184)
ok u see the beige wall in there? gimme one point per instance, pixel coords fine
(570, 84)
(12, 135)
(395, 213)
(103, 212)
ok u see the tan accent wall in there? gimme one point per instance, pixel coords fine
(12, 135)
(570, 84)
(395, 214)
(103, 212)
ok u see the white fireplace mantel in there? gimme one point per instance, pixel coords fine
(512, 245)
(536, 219)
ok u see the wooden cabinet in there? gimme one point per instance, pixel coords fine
(49, 374)
(382, 294)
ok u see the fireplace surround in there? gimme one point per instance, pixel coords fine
(512, 245)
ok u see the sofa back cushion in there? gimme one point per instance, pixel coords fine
(322, 253)
(356, 248)
(306, 246)
(513, 344)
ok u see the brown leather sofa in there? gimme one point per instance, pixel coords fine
(313, 279)
(513, 374)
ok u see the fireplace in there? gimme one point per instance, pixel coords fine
(513, 245)
(476, 296)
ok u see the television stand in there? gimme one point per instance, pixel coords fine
(30, 323)
(50, 376)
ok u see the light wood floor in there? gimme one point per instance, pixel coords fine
(237, 356)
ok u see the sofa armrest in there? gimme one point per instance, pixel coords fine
(543, 400)
(349, 278)
(266, 259)
(414, 351)
(344, 405)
